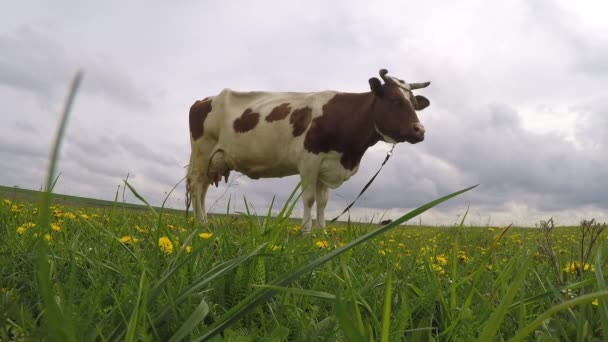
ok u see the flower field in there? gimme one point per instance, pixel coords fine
(115, 273)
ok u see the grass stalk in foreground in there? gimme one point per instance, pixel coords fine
(59, 324)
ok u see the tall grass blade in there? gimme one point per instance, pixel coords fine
(59, 324)
(261, 295)
(386, 309)
(135, 314)
(601, 285)
(495, 320)
(584, 299)
(196, 317)
(136, 194)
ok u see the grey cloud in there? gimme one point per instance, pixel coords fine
(35, 62)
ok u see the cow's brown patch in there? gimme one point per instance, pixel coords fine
(247, 121)
(279, 113)
(300, 119)
(346, 126)
(198, 113)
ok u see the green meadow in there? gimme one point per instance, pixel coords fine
(115, 272)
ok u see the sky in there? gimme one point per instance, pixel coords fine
(518, 98)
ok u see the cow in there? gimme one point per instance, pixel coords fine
(321, 136)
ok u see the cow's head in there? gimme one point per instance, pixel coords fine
(395, 109)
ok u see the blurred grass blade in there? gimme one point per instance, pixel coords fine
(601, 285)
(136, 194)
(495, 320)
(60, 326)
(262, 295)
(196, 317)
(349, 328)
(300, 292)
(584, 299)
(138, 310)
(386, 310)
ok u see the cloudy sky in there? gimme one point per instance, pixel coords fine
(518, 97)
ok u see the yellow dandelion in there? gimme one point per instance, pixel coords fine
(69, 215)
(275, 248)
(170, 227)
(321, 244)
(15, 209)
(294, 229)
(441, 259)
(47, 237)
(20, 230)
(462, 257)
(128, 240)
(489, 267)
(7, 202)
(84, 216)
(140, 229)
(595, 302)
(55, 227)
(29, 225)
(382, 252)
(188, 248)
(437, 268)
(205, 236)
(165, 245)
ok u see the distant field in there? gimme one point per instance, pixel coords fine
(15, 193)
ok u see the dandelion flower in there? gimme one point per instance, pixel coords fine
(20, 230)
(47, 237)
(382, 252)
(321, 244)
(7, 202)
(276, 248)
(205, 236)
(55, 227)
(188, 248)
(128, 240)
(441, 259)
(165, 245)
(462, 257)
(437, 268)
(595, 302)
(69, 215)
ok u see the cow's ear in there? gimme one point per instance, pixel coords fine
(376, 86)
(423, 102)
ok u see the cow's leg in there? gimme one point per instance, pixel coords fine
(308, 199)
(322, 193)
(197, 178)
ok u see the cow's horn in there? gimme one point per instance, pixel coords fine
(383, 73)
(419, 85)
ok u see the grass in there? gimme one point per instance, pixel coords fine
(83, 272)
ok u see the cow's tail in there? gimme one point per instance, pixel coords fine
(188, 188)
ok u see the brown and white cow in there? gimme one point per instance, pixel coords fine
(319, 135)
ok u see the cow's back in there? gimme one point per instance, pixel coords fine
(262, 133)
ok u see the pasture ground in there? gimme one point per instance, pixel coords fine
(106, 271)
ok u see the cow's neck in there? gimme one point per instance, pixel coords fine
(346, 126)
